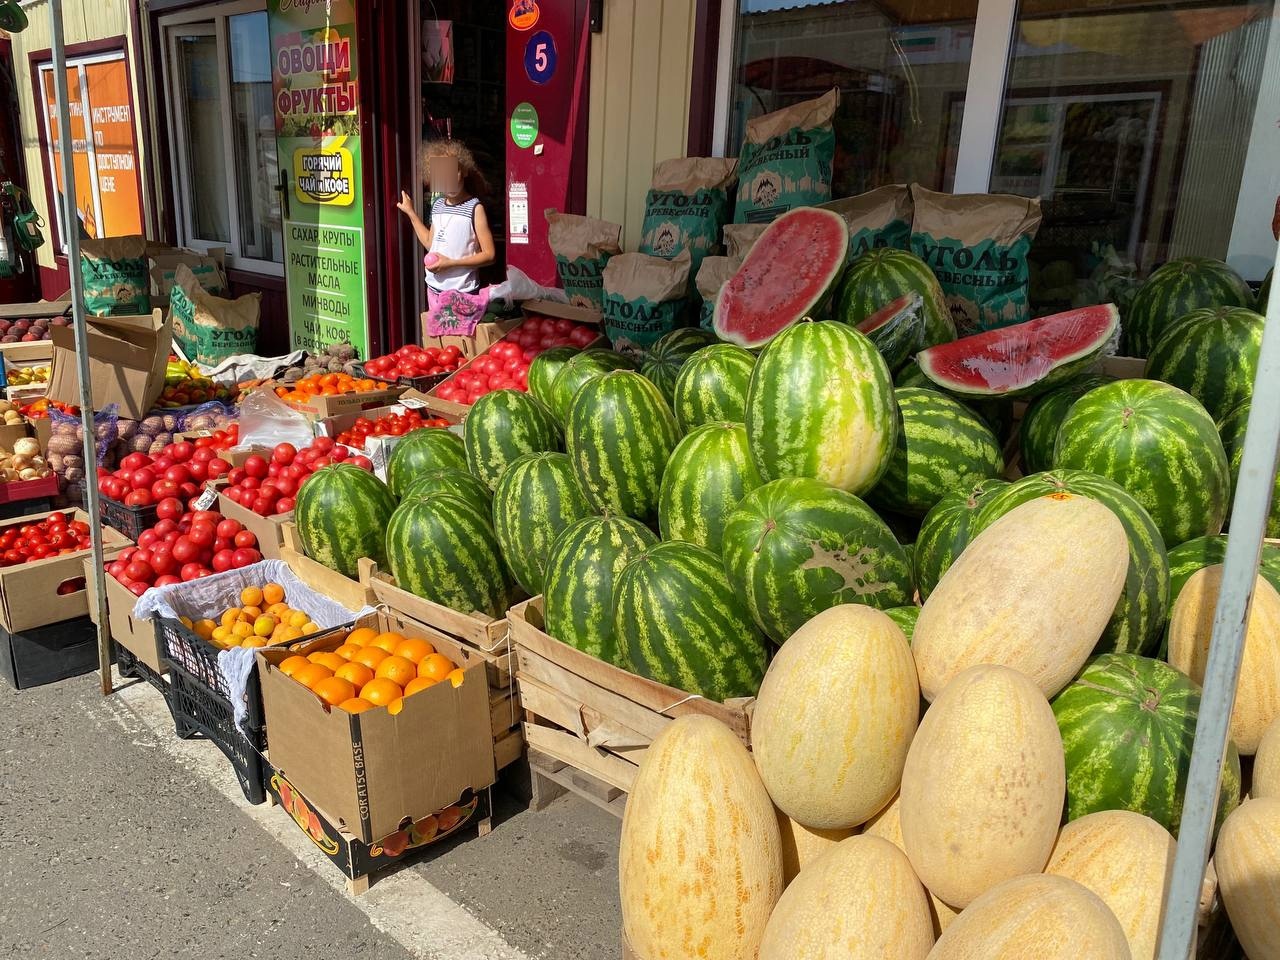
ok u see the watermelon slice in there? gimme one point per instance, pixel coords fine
(1026, 358)
(788, 275)
(895, 328)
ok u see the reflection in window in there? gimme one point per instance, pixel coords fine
(253, 122)
(201, 97)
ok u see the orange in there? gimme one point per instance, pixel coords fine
(387, 641)
(347, 651)
(289, 633)
(330, 660)
(298, 619)
(289, 666)
(222, 636)
(456, 677)
(360, 636)
(370, 657)
(395, 706)
(334, 690)
(357, 673)
(204, 629)
(435, 666)
(312, 674)
(264, 626)
(250, 613)
(241, 629)
(396, 669)
(185, 621)
(355, 705)
(230, 616)
(273, 593)
(414, 650)
(416, 684)
(254, 642)
(309, 628)
(278, 610)
(251, 597)
(381, 691)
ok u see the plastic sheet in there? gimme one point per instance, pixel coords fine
(246, 366)
(266, 420)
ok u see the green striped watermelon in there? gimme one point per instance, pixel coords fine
(460, 483)
(1186, 558)
(1212, 354)
(620, 433)
(341, 512)
(905, 618)
(678, 622)
(896, 328)
(502, 426)
(1044, 416)
(882, 275)
(821, 405)
(1264, 292)
(712, 386)
(1231, 429)
(1127, 725)
(1175, 289)
(544, 369)
(421, 451)
(663, 361)
(1160, 445)
(443, 549)
(798, 546)
(996, 414)
(947, 530)
(583, 568)
(577, 370)
(1140, 612)
(942, 446)
(910, 375)
(709, 473)
(535, 499)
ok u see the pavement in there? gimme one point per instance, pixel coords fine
(119, 840)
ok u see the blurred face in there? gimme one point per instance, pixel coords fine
(445, 174)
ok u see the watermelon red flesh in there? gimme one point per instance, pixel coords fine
(788, 275)
(1024, 359)
(895, 328)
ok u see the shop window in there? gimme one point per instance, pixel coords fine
(222, 123)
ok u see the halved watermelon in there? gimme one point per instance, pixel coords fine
(788, 275)
(1026, 358)
(895, 328)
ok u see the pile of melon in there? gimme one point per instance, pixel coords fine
(905, 797)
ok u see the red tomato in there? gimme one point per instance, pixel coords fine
(284, 504)
(217, 468)
(245, 538)
(222, 560)
(147, 537)
(202, 534)
(167, 580)
(116, 568)
(337, 456)
(190, 571)
(138, 498)
(204, 450)
(255, 466)
(263, 506)
(233, 493)
(142, 478)
(250, 483)
(363, 462)
(181, 451)
(169, 508)
(322, 444)
(134, 461)
(162, 559)
(161, 464)
(137, 589)
(235, 475)
(229, 528)
(137, 570)
(287, 486)
(178, 474)
(245, 556)
(184, 551)
(199, 470)
(165, 490)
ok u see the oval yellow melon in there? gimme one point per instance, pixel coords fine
(1248, 861)
(1033, 591)
(834, 717)
(887, 825)
(1266, 764)
(700, 859)
(1035, 917)
(1258, 688)
(983, 786)
(1126, 859)
(859, 901)
(802, 845)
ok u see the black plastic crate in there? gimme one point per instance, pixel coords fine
(198, 659)
(130, 521)
(421, 384)
(200, 711)
(48, 654)
(133, 668)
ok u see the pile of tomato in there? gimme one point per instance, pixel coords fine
(505, 365)
(180, 470)
(220, 440)
(412, 360)
(387, 425)
(183, 545)
(270, 486)
(54, 535)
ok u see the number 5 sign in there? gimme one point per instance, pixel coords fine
(540, 57)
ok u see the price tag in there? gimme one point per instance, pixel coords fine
(413, 403)
(207, 499)
(378, 457)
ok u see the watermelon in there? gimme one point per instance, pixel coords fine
(797, 546)
(341, 512)
(788, 274)
(421, 451)
(709, 473)
(1231, 429)
(1186, 558)
(1044, 416)
(1212, 354)
(712, 386)
(820, 405)
(947, 530)
(896, 328)
(443, 549)
(942, 446)
(503, 425)
(581, 574)
(910, 375)
(577, 370)
(668, 354)
(535, 499)
(1264, 292)
(678, 622)
(1143, 606)
(1175, 289)
(620, 433)
(1127, 725)
(882, 275)
(1024, 359)
(1160, 445)
(544, 369)
(460, 483)
(905, 618)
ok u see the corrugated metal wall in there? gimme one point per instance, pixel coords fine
(641, 66)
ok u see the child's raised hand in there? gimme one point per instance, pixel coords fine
(405, 205)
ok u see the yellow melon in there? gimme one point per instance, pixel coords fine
(1126, 859)
(1258, 688)
(700, 859)
(1033, 591)
(1248, 861)
(802, 845)
(983, 786)
(858, 901)
(887, 824)
(1035, 916)
(834, 717)
(1266, 764)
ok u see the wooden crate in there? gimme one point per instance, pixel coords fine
(589, 723)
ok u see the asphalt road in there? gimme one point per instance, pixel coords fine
(119, 840)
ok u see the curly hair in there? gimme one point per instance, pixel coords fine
(472, 179)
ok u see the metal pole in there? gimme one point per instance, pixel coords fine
(1248, 524)
(72, 233)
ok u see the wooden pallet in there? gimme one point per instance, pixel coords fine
(554, 778)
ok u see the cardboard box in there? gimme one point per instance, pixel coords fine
(320, 408)
(371, 771)
(136, 636)
(564, 311)
(268, 530)
(41, 308)
(10, 433)
(43, 428)
(127, 358)
(411, 398)
(486, 335)
(41, 655)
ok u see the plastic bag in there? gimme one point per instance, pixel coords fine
(246, 366)
(214, 415)
(266, 420)
(104, 429)
(520, 286)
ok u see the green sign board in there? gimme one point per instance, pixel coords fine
(524, 125)
(315, 84)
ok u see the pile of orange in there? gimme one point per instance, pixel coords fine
(372, 669)
(326, 385)
(262, 618)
